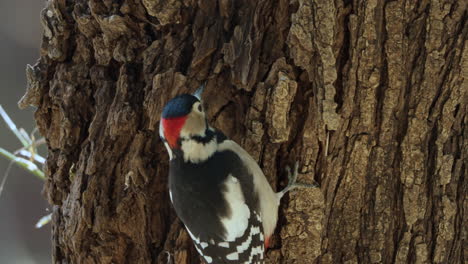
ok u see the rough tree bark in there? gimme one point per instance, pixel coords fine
(370, 97)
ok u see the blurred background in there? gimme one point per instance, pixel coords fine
(21, 203)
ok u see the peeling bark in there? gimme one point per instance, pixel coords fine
(369, 96)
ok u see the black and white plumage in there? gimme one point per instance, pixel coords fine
(217, 189)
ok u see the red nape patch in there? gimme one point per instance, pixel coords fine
(172, 127)
(267, 243)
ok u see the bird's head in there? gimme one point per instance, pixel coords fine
(183, 117)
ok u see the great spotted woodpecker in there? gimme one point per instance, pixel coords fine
(217, 189)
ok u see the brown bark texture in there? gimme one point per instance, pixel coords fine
(369, 96)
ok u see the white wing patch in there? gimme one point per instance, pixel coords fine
(202, 244)
(247, 249)
(236, 224)
(246, 244)
(269, 202)
(233, 256)
(223, 244)
(256, 251)
(208, 259)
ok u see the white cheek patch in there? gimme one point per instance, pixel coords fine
(184, 133)
(196, 152)
(236, 224)
(195, 124)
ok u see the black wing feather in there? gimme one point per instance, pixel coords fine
(197, 191)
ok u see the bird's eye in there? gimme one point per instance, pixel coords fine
(200, 108)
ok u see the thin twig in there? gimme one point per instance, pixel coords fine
(13, 128)
(5, 176)
(24, 163)
(28, 154)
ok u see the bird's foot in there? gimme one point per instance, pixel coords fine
(292, 184)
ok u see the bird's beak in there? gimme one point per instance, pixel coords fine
(199, 91)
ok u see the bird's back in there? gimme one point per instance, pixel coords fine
(216, 201)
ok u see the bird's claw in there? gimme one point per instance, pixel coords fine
(292, 177)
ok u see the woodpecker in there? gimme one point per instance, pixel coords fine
(217, 189)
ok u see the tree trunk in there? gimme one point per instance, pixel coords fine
(369, 96)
